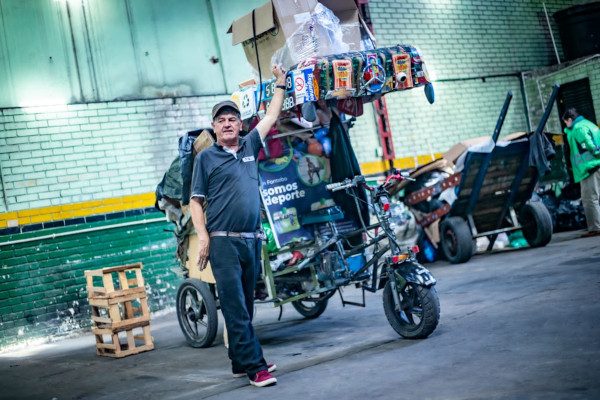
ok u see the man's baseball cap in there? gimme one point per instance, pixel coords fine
(219, 106)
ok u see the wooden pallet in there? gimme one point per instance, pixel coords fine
(119, 304)
(123, 342)
(115, 281)
(119, 312)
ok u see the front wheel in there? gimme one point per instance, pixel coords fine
(197, 313)
(312, 306)
(419, 312)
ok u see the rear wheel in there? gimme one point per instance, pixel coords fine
(197, 313)
(537, 224)
(312, 306)
(456, 240)
(419, 312)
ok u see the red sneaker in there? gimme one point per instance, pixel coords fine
(270, 368)
(263, 378)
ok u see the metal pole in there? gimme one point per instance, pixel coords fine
(502, 116)
(551, 34)
(526, 101)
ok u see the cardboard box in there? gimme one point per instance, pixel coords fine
(279, 26)
(203, 141)
(462, 146)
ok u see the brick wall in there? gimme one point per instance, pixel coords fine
(71, 167)
(74, 153)
(539, 85)
(460, 40)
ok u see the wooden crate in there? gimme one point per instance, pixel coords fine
(119, 304)
(120, 312)
(123, 342)
(115, 281)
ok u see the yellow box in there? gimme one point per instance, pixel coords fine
(24, 221)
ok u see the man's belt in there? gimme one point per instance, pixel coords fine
(243, 235)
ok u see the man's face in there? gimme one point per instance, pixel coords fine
(227, 127)
(568, 122)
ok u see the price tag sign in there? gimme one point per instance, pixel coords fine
(289, 101)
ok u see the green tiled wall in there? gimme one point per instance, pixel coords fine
(42, 285)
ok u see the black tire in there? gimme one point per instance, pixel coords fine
(311, 309)
(197, 313)
(537, 223)
(456, 240)
(420, 312)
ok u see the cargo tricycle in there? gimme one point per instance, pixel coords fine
(321, 236)
(410, 300)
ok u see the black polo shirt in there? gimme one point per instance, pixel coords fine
(229, 184)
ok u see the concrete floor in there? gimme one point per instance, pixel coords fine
(518, 324)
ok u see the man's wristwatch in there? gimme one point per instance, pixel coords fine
(280, 87)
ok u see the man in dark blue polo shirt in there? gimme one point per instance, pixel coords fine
(226, 179)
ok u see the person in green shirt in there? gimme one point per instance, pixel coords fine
(584, 141)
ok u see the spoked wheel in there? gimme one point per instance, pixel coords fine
(197, 313)
(420, 310)
(312, 306)
(456, 240)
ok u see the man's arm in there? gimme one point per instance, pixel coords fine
(200, 226)
(590, 144)
(270, 118)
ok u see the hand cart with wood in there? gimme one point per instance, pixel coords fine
(493, 195)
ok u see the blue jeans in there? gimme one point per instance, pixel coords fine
(235, 264)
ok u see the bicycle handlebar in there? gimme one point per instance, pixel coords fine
(359, 180)
(334, 187)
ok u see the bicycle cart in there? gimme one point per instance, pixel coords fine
(320, 236)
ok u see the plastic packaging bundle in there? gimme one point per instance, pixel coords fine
(319, 34)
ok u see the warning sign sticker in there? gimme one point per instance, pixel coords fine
(303, 85)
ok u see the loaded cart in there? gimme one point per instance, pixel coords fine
(490, 195)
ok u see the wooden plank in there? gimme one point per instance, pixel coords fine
(116, 293)
(138, 323)
(108, 346)
(130, 339)
(107, 301)
(101, 320)
(119, 349)
(123, 284)
(108, 283)
(108, 270)
(114, 313)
